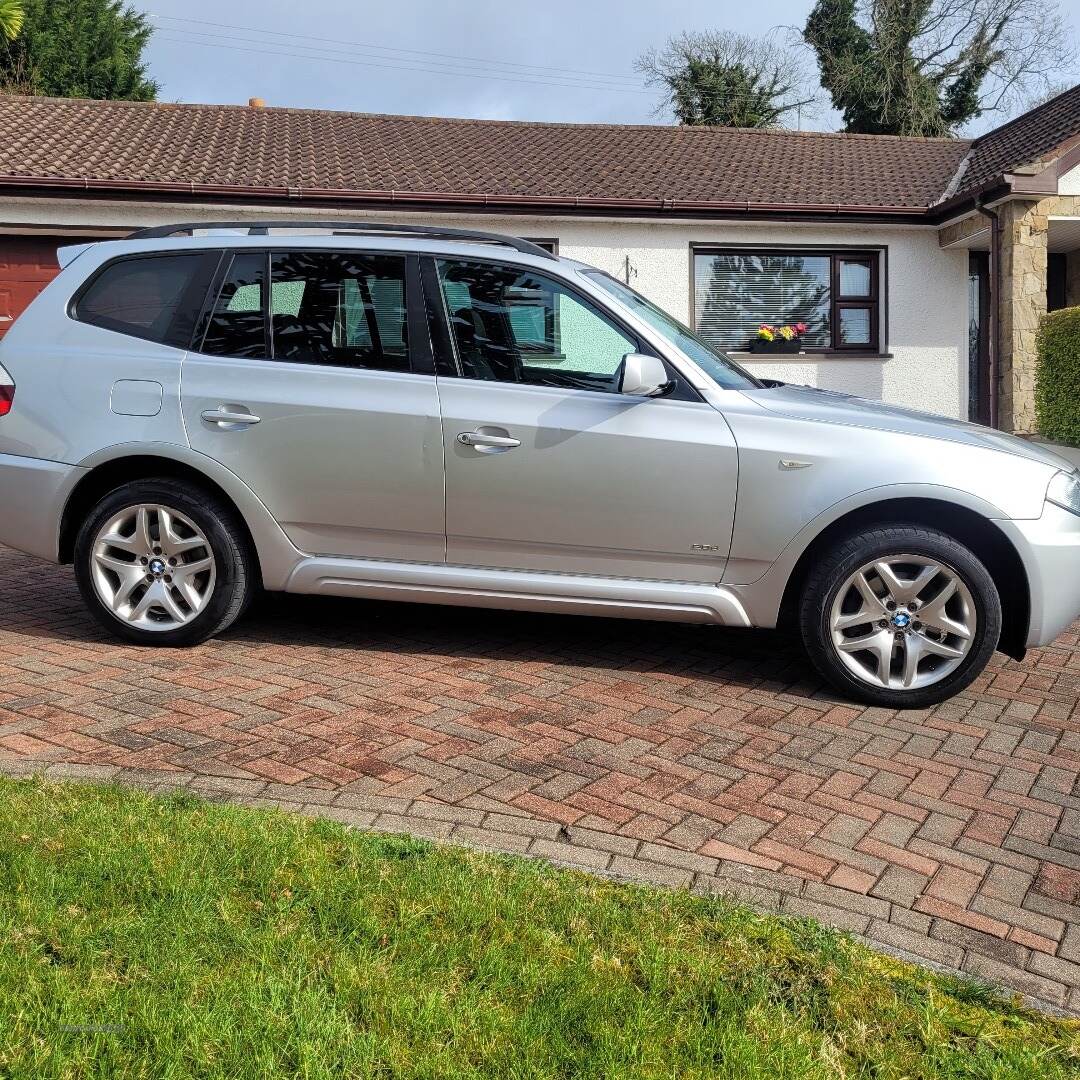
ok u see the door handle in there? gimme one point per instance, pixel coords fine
(481, 438)
(230, 415)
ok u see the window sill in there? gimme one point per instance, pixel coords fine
(827, 354)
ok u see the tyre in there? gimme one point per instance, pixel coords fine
(900, 616)
(164, 562)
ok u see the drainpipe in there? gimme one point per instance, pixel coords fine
(994, 337)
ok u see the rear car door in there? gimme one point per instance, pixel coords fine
(548, 466)
(311, 381)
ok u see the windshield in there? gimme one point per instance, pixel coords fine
(717, 365)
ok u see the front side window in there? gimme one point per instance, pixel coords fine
(511, 324)
(156, 297)
(341, 309)
(833, 294)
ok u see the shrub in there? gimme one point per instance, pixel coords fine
(1057, 377)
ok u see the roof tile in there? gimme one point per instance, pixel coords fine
(269, 148)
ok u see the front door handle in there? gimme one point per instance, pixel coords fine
(230, 416)
(482, 438)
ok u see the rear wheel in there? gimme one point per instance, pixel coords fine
(162, 562)
(900, 616)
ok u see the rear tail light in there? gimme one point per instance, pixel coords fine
(7, 391)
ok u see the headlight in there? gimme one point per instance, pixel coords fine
(1064, 491)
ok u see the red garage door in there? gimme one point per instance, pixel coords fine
(27, 265)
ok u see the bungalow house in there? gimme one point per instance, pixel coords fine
(920, 266)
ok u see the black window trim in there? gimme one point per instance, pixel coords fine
(442, 338)
(198, 285)
(876, 254)
(421, 358)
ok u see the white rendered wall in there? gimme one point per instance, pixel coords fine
(926, 287)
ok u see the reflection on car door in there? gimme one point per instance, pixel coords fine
(548, 466)
(307, 385)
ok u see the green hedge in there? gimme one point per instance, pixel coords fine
(1057, 380)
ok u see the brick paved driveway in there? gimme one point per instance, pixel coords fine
(688, 756)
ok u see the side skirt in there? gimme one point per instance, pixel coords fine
(518, 590)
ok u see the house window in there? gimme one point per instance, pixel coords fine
(835, 293)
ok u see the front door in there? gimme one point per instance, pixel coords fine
(548, 466)
(979, 337)
(306, 386)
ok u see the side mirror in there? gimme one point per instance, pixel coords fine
(644, 376)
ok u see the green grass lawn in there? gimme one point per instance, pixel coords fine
(171, 937)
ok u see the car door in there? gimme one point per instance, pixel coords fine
(548, 466)
(308, 382)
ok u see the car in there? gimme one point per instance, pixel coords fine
(445, 416)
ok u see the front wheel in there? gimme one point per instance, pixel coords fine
(900, 616)
(162, 562)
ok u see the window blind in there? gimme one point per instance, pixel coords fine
(735, 293)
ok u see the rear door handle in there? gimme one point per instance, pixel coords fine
(482, 438)
(230, 415)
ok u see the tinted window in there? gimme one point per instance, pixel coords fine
(511, 324)
(151, 296)
(345, 309)
(325, 307)
(235, 326)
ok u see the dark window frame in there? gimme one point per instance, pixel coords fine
(419, 349)
(185, 320)
(875, 255)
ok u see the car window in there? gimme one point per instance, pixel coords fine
(339, 308)
(149, 296)
(511, 324)
(236, 326)
(325, 307)
(717, 365)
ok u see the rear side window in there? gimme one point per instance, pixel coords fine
(157, 297)
(326, 307)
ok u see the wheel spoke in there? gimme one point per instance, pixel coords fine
(933, 614)
(939, 648)
(880, 643)
(913, 653)
(142, 529)
(904, 590)
(170, 541)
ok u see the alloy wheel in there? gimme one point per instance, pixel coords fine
(903, 621)
(152, 567)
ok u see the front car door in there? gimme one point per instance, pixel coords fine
(548, 466)
(308, 381)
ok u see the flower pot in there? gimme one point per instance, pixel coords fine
(780, 345)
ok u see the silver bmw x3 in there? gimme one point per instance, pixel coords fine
(450, 417)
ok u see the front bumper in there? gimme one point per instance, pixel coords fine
(32, 498)
(1049, 547)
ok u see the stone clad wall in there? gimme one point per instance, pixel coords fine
(1024, 235)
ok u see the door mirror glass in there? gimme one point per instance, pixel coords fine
(644, 376)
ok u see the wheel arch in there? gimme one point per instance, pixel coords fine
(972, 529)
(274, 555)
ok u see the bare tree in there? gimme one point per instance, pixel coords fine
(927, 67)
(727, 79)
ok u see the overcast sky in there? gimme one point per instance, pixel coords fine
(569, 60)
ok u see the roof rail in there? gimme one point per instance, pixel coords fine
(370, 228)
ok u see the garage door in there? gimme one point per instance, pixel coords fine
(27, 265)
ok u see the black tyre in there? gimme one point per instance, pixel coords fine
(900, 616)
(164, 562)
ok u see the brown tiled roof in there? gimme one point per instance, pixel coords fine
(1030, 138)
(260, 151)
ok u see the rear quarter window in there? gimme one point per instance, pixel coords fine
(156, 297)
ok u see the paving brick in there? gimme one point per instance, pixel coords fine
(900, 885)
(840, 917)
(915, 943)
(716, 754)
(1027, 983)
